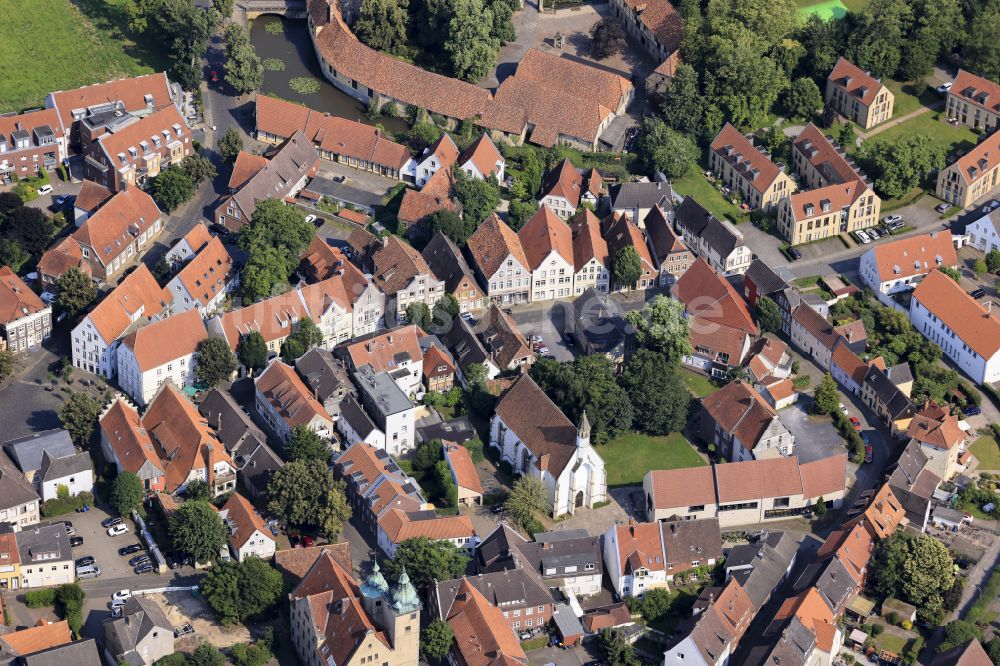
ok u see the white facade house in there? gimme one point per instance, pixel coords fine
(966, 332)
(46, 556)
(163, 351)
(395, 526)
(899, 265)
(247, 533)
(390, 410)
(205, 282)
(96, 338)
(75, 472)
(500, 262)
(439, 155)
(284, 402)
(548, 246)
(537, 439)
(984, 233)
(482, 160)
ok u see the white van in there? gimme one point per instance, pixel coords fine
(44, 189)
(89, 571)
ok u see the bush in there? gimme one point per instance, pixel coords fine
(533, 527)
(40, 598)
(175, 659)
(256, 654)
(57, 507)
(906, 624)
(877, 629)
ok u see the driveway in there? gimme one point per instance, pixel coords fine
(581, 654)
(815, 436)
(548, 321)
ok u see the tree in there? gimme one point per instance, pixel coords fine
(587, 385)
(240, 590)
(126, 493)
(979, 267)
(12, 255)
(255, 654)
(224, 7)
(616, 649)
(306, 336)
(449, 491)
(938, 25)
(662, 327)
(627, 267)
(657, 392)
(502, 28)
(827, 399)
(820, 507)
(275, 238)
(993, 649)
(447, 307)
(607, 38)
(252, 351)
(741, 79)
(303, 493)
(878, 35)
(471, 48)
(927, 574)
(195, 528)
(199, 168)
(230, 144)
(802, 99)
(427, 455)
(197, 490)
(527, 496)
(436, 639)
(993, 261)
(478, 197)
(172, 187)
(899, 164)
(663, 150)
(8, 202)
(216, 361)
(951, 272)
(981, 48)
(79, 415)
(264, 274)
(74, 291)
(29, 227)
(683, 107)
(452, 225)
(845, 135)
(419, 314)
(959, 632)
(244, 70)
(520, 212)
(306, 444)
(382, 24)
(426, 561)
(656, 603)
(768, 315)
(6, 363)
(206, 655)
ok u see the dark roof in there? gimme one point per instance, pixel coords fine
(79, 653)
(325, 374)
(233, 426)
(641, 195)
(446, 261)
(495, 552)
(139, 617)
(463, 344)
(764, 279)
(57, 468)
(967, 654)
(598, 319)
(899, 374)
(501, 338)
(48, 541)
(14, 489)
(688, 540)
(292, 161)
(794, 645)
(356, 417)
(914, 484)
(513, 588)
(257, 466)
(558, 550)
(539, 424)
(458, 430)
(768, 559)
(699, 222)
(896, 402)
(26, 452)
(661, 235)
(835, 585)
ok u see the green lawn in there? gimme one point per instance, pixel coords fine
(987, 452)
(825, 9)
(911, 96)
(699, 385)
(696, 185)
(628, 458)
(954, 138)
(48, 45)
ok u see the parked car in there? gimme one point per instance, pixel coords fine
(869, 453)
(143, 569)
(128, 550)
(89, 571)
(977, 293)
(70, 530)
(944, 87)
(893, 226)
(138, 559)
(855, 423)
(183, 630)
(111, 522)
(122, 594)
(47, 297)
(75, 541)
(972, 410)
(117, 530)
(891, 219)
(842, 408)
(794, 254)
(116, 603)
(44, 189)
(307, 542)
(311, 219)
(863, 237)
(873, 233)
(942, 208)
(215, 76)
(85, 560)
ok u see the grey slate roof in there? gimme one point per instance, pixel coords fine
(381, 391)
(446, 261)
(896, 402)
(494, 552)
(689, 540)
(699, 222)
(58, 468)
(356, 417)
(765, 279)
(140, 616)
(14, 489)
(256, 468)
(913, 484)
(26, 452)
(79, 653)
(768, 560)
(661, 235)
(288, 165)
(900, 374)
(326, 375)
(463, 344)
(43, 541)
(505, 589)
(794, 646)
(233, 426)
(598, 320)
(458, 430)
(566, 621)
(641, 195)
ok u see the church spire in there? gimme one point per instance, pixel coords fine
(583, 430)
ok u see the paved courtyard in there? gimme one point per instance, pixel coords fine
(815, 437)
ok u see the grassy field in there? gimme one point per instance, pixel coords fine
(954, 138)
(699, 385)
(911, 96)
(825, 9)
(696, 185)
(628, 458)
(48, 45)
(987, 452)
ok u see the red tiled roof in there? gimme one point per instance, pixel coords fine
(587, 240)
(739, 410)
(382, 352)
(855, 81)
(492, 242)
(291, 399)
(545, 233)
(138, 292)
(131, 443)
(709, 296)
(484, 155)
(92, 196)
(483, 637)
(976, 90)
(733, 147)
(640, 546)
(131, 92)
(461, 464)
(396, 265)
(539, 424)
(820, 151)
(754, 479)
(170, 339)
(934, 424)
(247, 166)
(297, 561)
(28, 122)
(206, 276)
(917, 255)
(980, 160)
(245, 517)
(16, 299)
(37, 638)
(824, 476)
(115, 144)
(662, 20)
(977, 328)
(683, 487)
(398, 527)
(622, 233)
(117, 223)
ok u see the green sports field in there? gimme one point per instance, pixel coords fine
(826, 9)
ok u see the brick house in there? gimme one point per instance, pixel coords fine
(118, 235)
(135, 149)
(29, 142)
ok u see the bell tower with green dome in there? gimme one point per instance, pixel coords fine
(401, 618)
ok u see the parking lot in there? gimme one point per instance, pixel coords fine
(100, 546)
(548, 323)
(815, 437)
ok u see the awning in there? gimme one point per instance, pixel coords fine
(859, 636)
(861, 606)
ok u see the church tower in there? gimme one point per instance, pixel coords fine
(583, 432)
(401, 621)
(374, 593)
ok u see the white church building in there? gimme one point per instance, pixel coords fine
(536, 438)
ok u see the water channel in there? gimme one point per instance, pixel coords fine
(294, 48)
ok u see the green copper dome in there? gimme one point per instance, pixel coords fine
(375, 587)
(404, 597)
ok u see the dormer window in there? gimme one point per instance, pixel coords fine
(148, 99)
(156, 141)
(166, 135)
(145, 146)
(133, 152)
